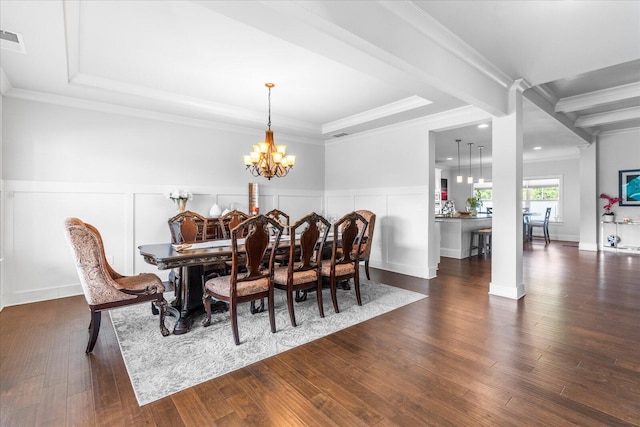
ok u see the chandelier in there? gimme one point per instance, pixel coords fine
(267, 159)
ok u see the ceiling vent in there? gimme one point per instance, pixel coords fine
(12, 41)
(340, 135)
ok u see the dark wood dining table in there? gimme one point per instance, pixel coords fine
(191, 259)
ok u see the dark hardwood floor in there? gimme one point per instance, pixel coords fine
(568, 353)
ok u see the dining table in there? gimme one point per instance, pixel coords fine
(191, 258)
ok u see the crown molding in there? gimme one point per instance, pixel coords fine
(597, 98)
(397, 107)
(463, 116)
(103, 107)
(5, 84)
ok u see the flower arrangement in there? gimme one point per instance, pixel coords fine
(609, 206)
(179, 195)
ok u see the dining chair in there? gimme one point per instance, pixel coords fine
(365, 248)
(102, 286)
(254, 284)
(191, 227)
(348, 233)
(230, 220)
(544, 224)
(187, 227)
(301, 277)
(282, 257)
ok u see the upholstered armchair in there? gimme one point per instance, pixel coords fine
(103, 287)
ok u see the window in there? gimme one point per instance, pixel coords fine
(537, 195)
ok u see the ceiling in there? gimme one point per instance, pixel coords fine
(338, 67)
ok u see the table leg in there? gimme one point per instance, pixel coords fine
(182, 324)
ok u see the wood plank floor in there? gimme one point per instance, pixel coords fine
(568, 353)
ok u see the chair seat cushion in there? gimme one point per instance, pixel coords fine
(341, 269)
(222, 286)
(148, 281)
(299, 277)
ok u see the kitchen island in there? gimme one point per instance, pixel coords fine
(455, 233)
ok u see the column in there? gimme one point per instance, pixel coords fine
(506, 257)
(589, 218)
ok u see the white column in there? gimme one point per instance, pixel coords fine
(433, 240)
(506, 256)
(589, 219)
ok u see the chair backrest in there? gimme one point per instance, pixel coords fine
(230, 220)
(489, 210)
(187, 227)
(308, 234)
(256, 244)
(547, 215)
(279, 216)
(96, 275)
(370, 217)
(352, 227)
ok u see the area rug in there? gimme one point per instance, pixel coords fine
(160, 366)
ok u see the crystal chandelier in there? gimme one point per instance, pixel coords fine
(267, 159)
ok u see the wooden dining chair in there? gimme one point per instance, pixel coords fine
(348, 233)
(230, 220)
(191, 227)
(254, 284)
(301, 277)
(365, 248)
(102, 286)
(544, 224)
(282, 257)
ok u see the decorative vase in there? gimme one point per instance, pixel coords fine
(181, 204)
(215, 211)
(608, 217)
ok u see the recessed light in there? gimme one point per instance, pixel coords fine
(537, 148)
(483, 125)
(449, 158)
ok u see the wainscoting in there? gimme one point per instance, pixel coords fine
(37, 263)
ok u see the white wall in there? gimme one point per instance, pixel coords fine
(113, 170)
(617, 151)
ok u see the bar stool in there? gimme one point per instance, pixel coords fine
(484, 242)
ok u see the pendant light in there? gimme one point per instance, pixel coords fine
(481, 179)
(470, 177)
(459, 177)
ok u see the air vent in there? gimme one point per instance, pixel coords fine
(340, 135)
(12, 41)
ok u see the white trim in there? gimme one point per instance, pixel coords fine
(608, 117)
(397, 107)
(597, 98)
(507, 291)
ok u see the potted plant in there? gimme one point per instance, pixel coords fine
(609, 216)
(474, 202)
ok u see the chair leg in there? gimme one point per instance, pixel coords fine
(292, 316)
(206, 301)
(94, 328)
(366, 268)
(161, 305)
(319, 297)
(272, 311)
(334, 296)
(233, 316)
(356, 284)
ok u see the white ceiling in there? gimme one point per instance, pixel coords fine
(344, 66)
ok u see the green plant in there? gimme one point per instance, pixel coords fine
(475, 201)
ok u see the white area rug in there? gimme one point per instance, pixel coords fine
(159, 366)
